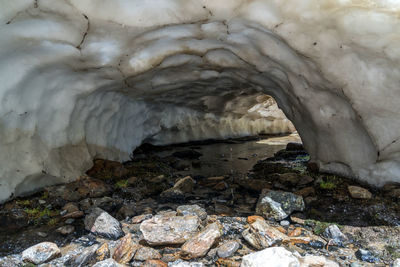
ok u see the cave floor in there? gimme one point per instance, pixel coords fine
(226, 179)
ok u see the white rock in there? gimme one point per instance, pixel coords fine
(396, 263)
(41, 253)
(103, 224)
(108, 263)
(312, 261)
(270, 257)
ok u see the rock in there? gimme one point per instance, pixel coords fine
(65, 230)
(41, 253)
(154, 263)
(261, 235)
(146, 253)
(84, 258)
(333, 232)
(187, 154)
(103, 224)
(284, 223)
(132, 181)
(291, 146)
(103, 252)
(181, 263)
(270, 257)
(359, 192)
(365, 255)
(227, 249)
(125, 249)
(289, 178)
(141, 218)
(172, 195)
(317, 261)
(166, 230)
(70, 207)
(396, 263)
(185, 184)
(278, 204)
(74, 215)
(41, 234)
(70, 221)
(108, 263)
(107, 169)
(306, 191)
(192, 210)
(199, 245)
(105, 203)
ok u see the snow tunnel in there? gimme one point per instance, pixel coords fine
(96, 78)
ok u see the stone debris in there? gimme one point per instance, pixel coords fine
(169, 230)
(181, 263)
(87, 257)
(192, 210)
(199, 245)
(270, 257)
(359, 192)
(154, 263)
(365, 255)
(227, 249)
(41, 253)
(146, 253)
(103, 224)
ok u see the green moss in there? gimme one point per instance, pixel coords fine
(318, 226)
(33, 212)
(122, 183)
(25, 202)
(52, 222)
(45, 195)
(330, 182)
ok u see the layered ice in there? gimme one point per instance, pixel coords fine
(96, 78)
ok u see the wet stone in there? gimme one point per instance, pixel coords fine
(271, 257)
(41, 253)
(166, 230)
(146, 253)
(227, 249)
(103, 224)
(192, 210)
(359, 192)
(199, 245)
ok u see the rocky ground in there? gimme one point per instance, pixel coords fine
(158, 211)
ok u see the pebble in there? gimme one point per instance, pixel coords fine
(103, 224)
(125, 249)
(65, 230)
(333, 233)
(41, 234)
(108, 263)
(146, 253)
(154, 263)
(284, 223)
(311, 261)
(227, 249)
(41, 253)
(365, 255)
(168, 230)
(200, 244)
(270, 257)
(192, 210)
(359, 192)
(278, 204)
(181, 263)
(69, 221)
(42, 202)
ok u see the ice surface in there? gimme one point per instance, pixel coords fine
(95, 78)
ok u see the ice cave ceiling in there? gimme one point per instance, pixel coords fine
(95, 78)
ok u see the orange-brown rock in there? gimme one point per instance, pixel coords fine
(125, 250)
